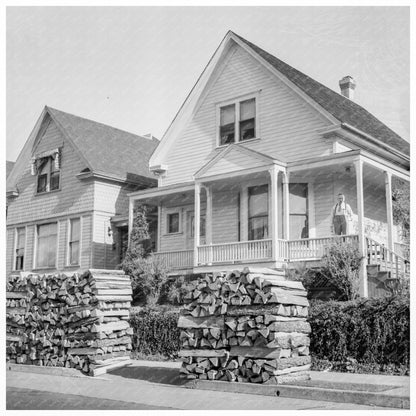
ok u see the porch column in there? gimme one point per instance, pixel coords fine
(208, 216)
(274, 217)
(286, 211)
(197, 219)
(244, 214)
(159, 226)
(358, 164)
(389, 206)
(131, 214)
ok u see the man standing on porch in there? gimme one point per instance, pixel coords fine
(341, 213)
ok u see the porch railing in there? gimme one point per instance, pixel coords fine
(180, 259)
(388, 260)
(315, 248)
(402, 249)
(235, 252)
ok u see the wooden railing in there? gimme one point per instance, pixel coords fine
(402, 250)
(315, 248)
(388, 260)
(180, 259)
(235, 252)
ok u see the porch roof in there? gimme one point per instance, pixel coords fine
(162, 191)
(236, 158)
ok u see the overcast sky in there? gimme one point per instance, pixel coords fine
(132, 67)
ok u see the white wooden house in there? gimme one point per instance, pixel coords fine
(67, 194)
(250, 168)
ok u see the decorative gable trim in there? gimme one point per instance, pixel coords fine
(55, 154)
(263, 160)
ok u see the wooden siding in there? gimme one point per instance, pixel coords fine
(287, 122)
(105, 255)
(73, 197)
(225, 216)
(111, 198)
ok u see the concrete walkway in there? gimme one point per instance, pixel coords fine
(147, 385)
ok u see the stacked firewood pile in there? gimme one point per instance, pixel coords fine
(247, 326)
(77, 321)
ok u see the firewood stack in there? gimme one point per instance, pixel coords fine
(247, 326)
(76, 321)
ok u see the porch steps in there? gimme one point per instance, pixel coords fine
(378, 280)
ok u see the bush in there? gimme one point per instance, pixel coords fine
(370, 331)
(341, 267)
(155, 333)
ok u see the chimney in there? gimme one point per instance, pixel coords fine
(347, 85)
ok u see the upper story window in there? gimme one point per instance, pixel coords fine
(46, 166)
(237, 121)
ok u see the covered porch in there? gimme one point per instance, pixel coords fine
(273, 214)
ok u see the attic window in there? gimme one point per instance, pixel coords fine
(237, 121)
(48, 170)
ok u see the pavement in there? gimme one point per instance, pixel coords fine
(151, 385)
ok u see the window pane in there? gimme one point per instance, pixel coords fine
(298, 227)
(75, 230)
(46, 247)
(173, 223)
(258, 200)
(201, 226)
(298, 198)
(247, 129)
(74, 253)
(258, 228)
(248, 109)
(54, 180)
(42, 181)
(227, 124)
(20, 243)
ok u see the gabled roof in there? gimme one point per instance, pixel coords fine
(339, 110)
(342, 108)
(9, 167)
(105, 148)
(234, 158)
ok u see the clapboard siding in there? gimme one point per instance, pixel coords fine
(74, 195)
(86, 241)
(10, 242)
(111, 198)
(287, 122)
(225, 216)
(177, 241)
(105, 255)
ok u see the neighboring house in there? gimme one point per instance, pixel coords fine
(67, 194)
(9, 167)
(251, 166)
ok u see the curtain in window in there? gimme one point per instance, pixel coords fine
(46, 245)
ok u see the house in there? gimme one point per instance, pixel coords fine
(251, 166)
(67, 194)
(9, 167)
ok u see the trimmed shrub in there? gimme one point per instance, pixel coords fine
(155, 333)
(370, 331)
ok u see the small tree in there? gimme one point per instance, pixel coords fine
(401, 206)
(146, 272)
(341, 266)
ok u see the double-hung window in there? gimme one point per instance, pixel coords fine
(46, 245)
(258, 212)
(74, 239)
(298, 218)
(237, 121)
(173, 223)
(48, 175)
(20, 248)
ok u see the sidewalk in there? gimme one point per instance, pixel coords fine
(148, 384)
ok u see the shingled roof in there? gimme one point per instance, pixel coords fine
(107, 149)
(342, 108)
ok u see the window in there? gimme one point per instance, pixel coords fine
(237, 122)
(173, 223)
(20, 248)
(258, 212)
(201, 226)
(46, 245)
(48, 175)
(74, 240)
(298, 218)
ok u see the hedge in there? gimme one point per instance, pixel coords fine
(155, 333)
(372, 332)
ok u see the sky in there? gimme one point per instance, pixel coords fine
(132, 67)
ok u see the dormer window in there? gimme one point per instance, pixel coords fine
(46, 167)
(237, 121)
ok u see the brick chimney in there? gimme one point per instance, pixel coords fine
(347, 85)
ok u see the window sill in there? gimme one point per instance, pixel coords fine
(72, 266)
(255, 139)
(47, 192)
(40, 269)
(168, 234)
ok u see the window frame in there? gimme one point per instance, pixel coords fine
(16, 233)
(36, 248)
(50, 162)
(167, 216)
(301, 214)
(267, 215)
(236, 102)
(69, 241)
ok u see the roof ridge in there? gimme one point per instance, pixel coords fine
(98, 122)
